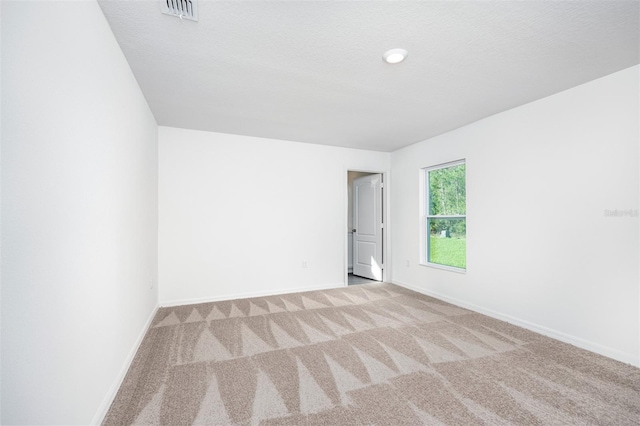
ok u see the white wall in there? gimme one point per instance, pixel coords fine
(79, 211)
(239, 215)
(0, 214)
(540, 251)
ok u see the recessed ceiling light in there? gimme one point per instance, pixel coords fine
(394, 56)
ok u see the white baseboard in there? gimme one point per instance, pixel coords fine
(110, 396)
(555, 334)
(178, 302)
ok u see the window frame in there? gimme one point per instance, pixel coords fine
(425, 198)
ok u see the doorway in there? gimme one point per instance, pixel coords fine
(365, 227)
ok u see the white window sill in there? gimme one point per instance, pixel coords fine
(445, 267)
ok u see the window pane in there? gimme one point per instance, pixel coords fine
(447, 191)
(447, 242)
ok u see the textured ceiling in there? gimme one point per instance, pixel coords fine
(313, 72)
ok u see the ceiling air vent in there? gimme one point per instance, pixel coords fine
(183, 9)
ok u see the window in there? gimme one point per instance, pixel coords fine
(444, 218)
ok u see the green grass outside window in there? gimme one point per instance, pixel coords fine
(448, 251)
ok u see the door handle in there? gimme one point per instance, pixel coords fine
(353, 230)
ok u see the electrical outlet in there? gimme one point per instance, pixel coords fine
(408, 263)
(305, 264)
(151, 283)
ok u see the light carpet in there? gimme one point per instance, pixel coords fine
(370, 354)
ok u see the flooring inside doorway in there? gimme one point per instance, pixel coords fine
(355, 280)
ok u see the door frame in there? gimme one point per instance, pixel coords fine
(386, 270)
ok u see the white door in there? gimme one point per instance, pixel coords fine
(367, 224)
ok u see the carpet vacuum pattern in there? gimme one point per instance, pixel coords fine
(371, 354)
